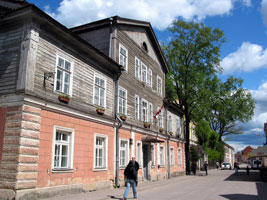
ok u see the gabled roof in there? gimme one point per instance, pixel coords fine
(30, 9)
(13, 4)
(129, 22)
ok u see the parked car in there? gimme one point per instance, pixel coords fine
(226, 165)
(256, 164)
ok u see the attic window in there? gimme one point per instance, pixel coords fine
(145, 46)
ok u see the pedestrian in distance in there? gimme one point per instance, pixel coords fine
(130, 174)
(247, 169)
(236, 167)
(136, 166)
(217, 165)
(194, 168)
(206, 167)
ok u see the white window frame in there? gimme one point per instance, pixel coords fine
(180, 162)
(123, 99)
(136, 107)
(161, 154)
(70, 132)
(169, 123)
(160, 118)
(121, 56)
(150, 78)
(64, 72)
(94, 90)
(146, 112)
(150, 113)
(137, 68)
(139, 158)
(143, 73)
(172, 157)
(159, 85)
(153, 160)
(178, 125)
(105, 151)
(126, 153)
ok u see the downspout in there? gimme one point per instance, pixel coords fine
(168, 142)
(110, 36)
(118, 121)
(117, 126)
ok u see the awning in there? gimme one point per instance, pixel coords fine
(151, 139)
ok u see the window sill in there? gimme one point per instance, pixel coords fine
(100, 169)
(62, 170)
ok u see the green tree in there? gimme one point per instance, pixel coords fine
(193, 56)
(194, 154)
(231, 105)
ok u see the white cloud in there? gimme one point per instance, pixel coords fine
(247, 3)
(159, 13)
(247, 58)
(264, 11)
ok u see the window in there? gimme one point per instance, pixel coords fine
(99, 91)
(172, 156)
(136, 103)
(161, 155)
(139, 152)
(63, 76)
(122, 101)
(178, 126)
(144, 110)
(144, 73)
(160, 119)
(63, 148)
(159, 85)
(153, 154)
(179, 157)
(100, 152)
(137, 68)
(169, 123)
(150, 78)
(150, 113)
(123, 59)
(123, 153)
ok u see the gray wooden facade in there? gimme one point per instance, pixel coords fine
(107, 35)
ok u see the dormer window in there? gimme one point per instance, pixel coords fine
(144, 45)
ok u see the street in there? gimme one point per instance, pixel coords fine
(219, 184)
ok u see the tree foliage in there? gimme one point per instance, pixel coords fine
(230, 106)
(193, 56)
(209, 141)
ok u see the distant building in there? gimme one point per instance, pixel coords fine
(229, 154)
(238, 157)
(245, 153)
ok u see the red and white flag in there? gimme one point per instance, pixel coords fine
(155, 116)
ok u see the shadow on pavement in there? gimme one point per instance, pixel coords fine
(253, 176)
(113, 197)
(262, 194)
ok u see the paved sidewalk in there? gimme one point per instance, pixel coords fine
(219, 184)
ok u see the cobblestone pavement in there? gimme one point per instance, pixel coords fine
(219, 184)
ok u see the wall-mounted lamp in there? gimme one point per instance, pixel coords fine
(47, 75)
(131, 141)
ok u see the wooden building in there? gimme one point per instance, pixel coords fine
(55, 84)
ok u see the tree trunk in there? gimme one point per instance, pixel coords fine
(187, 144)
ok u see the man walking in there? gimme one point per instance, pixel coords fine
(206, 167)
(131, 178)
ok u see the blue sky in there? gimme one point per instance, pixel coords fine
(244, 54)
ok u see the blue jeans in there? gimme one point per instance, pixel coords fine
(130, 183)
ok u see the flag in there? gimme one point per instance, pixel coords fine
(155, 116)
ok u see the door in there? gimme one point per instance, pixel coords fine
(145, 161)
